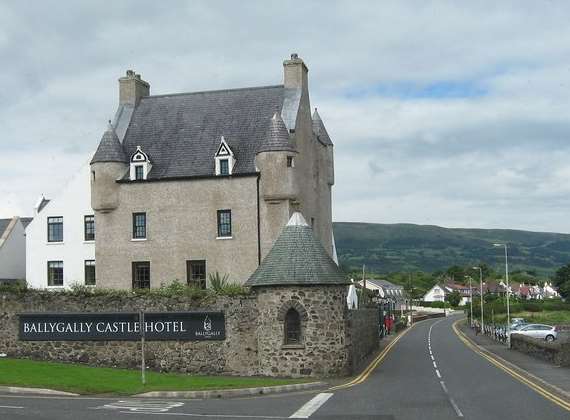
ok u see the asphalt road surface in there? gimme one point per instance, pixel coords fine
(428, 374)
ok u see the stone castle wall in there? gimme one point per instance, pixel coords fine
(334, 340)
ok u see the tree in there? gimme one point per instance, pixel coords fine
(561, 280)
(453, 298)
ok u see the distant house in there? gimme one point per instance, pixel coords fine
(435, 294)
(438, 293)
(530, 291)
(13, 249)
(386, 289)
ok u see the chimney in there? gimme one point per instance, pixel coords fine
(132, 88)
(295, 73)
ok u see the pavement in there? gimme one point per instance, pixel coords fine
(554, 376)
(426, 373)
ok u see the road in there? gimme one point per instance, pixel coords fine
(412, 382)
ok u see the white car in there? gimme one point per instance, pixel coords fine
(545, 332)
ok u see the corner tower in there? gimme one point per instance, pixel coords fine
(109, 164)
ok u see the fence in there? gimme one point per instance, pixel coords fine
(496, 332)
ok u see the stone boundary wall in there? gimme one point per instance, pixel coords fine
(237, 355)
(556, 353)
(362, 335)
(334, 340)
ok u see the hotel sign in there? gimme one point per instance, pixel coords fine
(186, 326)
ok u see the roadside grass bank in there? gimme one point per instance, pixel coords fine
(90, 380)
(544, 317)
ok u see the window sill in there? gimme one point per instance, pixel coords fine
(224, 237)
(55, 243)
(293, 347)
(88, 242)
(55, 286)
(138, 239)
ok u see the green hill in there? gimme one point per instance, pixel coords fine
(407, 247)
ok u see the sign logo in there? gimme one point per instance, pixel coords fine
(207, 324)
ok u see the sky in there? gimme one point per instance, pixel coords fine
(445, 113)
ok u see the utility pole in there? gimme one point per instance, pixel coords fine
(363, 285)
(481, 285)
(470, 301)
(143, 367)
(508, 288)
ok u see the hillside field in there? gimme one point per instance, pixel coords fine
(386, 248)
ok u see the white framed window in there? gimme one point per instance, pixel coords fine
(224, 159)
(140, 165)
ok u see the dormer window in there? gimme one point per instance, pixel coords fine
(140, 165)
(224, 159)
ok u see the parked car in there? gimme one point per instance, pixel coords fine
(545, 332)
(515, 321)
(516, 327)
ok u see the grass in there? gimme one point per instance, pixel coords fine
(544, 317)
(89, 380)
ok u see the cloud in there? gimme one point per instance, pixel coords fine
(444, 113)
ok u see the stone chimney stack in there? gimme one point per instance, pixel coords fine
(295, 73)
(132, 88)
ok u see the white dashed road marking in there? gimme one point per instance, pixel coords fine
(10, 406)
(445, 390)
(313, 405)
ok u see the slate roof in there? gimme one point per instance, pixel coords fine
(297, 258)
(110, 148)
(26, 221)
(181, 132)
(320, 130)
(3, 225)
(277, 137)
(384, 283)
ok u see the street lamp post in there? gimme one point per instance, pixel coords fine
(470, 301)
(481, 285)
(507, 282)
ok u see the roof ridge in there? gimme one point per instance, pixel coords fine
(212, 91)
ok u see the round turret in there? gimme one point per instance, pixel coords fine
(109, 164)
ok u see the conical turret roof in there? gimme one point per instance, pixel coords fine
(277, 137)
(110, 148)
(320, 130)
(297, 258)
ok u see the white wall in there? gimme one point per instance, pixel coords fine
(13, 254)
(73, 203)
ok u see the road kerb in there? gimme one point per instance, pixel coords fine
(34, 391)
(553, 394)
(231, 393)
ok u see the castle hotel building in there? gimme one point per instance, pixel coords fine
(184, 185)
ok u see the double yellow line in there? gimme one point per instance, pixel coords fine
(564, 403)
(373, 365)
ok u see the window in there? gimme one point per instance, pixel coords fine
(292, 327)
(55, 273)
(196, 273)
(89, 228)
(55, 229)
(141, 275)
(90, 272)
(312, 222)
(290, 162)
(139, 172)
(224, 167)
(224, 223)
(224, 158)
(139, 225)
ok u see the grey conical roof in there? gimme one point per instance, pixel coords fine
(277, 137)
(110, 148)
(320, 130)
(297, 258)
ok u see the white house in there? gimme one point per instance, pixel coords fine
(13, 249)
(60, 241)
(435, 294)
